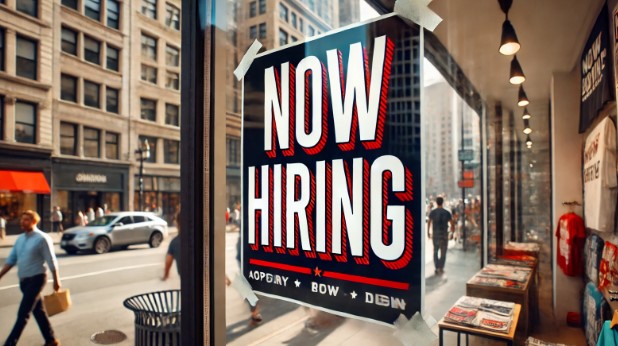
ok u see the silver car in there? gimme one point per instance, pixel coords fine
(115, 230)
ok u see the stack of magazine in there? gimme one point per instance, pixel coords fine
(502, 276)
(482, 313)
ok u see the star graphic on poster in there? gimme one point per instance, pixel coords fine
(317, 272)
(353, 294)
(297, 283)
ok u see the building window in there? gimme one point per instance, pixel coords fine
(233, 151)
(29, 7)
(171, 148)
(293, 19)
(112, 58)
(262, 6)
(111, 100)
(172, 56)
(91, 142)
(172, 17)
(149, 109)
(93, 9)
(113, 14)
(2, 50)
(1, 117)
(149, 47)
(283, 37)
(92, 50)
(262, 30)
(253, 32)
(68, 139)
(172, 81)
(149, 8)
(70, 4)
(172, 114)
(92, 94)
(152, 143)
(310, 30)
(69, 41)
(25, 122)
(68, 88)
(252, 9)
(301, 24)
(294, 39)
(149, 74)
(26, 64)
(111, 145)
(283, 12)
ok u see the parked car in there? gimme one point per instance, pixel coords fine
(119, 229)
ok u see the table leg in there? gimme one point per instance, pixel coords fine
(441, 337)
(458, 339)
(467, 339)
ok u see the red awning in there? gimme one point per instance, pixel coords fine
(17, 181)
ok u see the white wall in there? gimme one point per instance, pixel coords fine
(567, 182)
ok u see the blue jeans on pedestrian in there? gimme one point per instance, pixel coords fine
(440, 243)
(31, 302)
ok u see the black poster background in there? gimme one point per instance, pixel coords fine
(604, 91)
(401, 139)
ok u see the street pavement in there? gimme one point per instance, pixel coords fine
(100, 283)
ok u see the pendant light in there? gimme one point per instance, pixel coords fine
(509, 44)
(528, 142)
(517, 74)
(522, 99)
(526, 114)
(527, 129)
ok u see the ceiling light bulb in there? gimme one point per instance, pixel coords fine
(509, 44)
(517, 74)
(522, 98)
(528, 141)
(527, 129)
(526, 114)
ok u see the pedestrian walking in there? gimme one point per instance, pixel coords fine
(81, 219)
(56, 219)
(90, 215)
(173, 252)
(31, 251)
(99, 212)
(2, 227)
(440, 218)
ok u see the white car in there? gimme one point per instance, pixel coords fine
(119, 229)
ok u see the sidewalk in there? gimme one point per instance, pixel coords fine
(9, 240)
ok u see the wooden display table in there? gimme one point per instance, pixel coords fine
(519, 295)
(509, 337)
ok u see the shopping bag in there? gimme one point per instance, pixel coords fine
(57, 302)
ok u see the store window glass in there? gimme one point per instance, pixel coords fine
(68, 88)
(171, 148)
(92, 94)
(152, 142)
(148, 109)
(113, 14)
(92, 50)
(25, 122)
(69, 41)
(112, 145)
(93, 9)
(27, 58)
(29, 7)
(149, 8)
(92, 142)
(68, 139)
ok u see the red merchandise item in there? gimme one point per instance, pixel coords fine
(571, 236)
(608, 268)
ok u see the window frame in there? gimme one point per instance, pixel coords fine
(149, 46)
(172, 80)
(25, 60)
(285, 35)
(170, 116)
(32, 11)
(146, 67)
(172, 16)
(109, 143)
(63, 135)
(72, 4)
(117, 59)
(148, 110)
(64, 42)
(167, 153)
(89, 54)
(262, 31)
(149, 9)
(252, 9)
(67, 97)
(174, 56)
(96, 140)
(284, 12)
(34, 123)
(116, 13)
(98, 99)
(107, 98)
(2, 48)
(89, 11)
(152, 143)
(262, 6)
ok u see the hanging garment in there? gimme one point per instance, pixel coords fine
(571, 236)
(593, 251)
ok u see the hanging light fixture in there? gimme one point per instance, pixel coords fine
(522, 99)
(517, 74)
(527, 129)
(509, 44)
(526, 114)
(528, 141)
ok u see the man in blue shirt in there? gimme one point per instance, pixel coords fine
(31, 250)
(440, 218)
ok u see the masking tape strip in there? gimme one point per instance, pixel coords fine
(243, 287)
(415, 331)
(247, 60)
(418, 12)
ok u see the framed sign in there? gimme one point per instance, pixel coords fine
(331, 205)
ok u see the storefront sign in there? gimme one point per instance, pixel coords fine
(90, 178)
(596, 72)
(331, 198)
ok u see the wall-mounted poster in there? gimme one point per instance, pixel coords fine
(331, 207)
(596, 72)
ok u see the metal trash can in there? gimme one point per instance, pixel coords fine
(157, 318)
